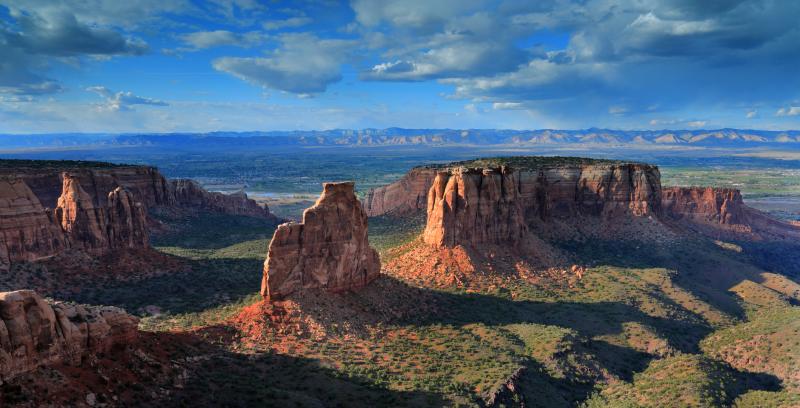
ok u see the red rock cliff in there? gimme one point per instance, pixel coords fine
(189, 194)
(328, 250)
(35, 333)
(496, 205)
(406, 196)
(27, 231)
(721, 212)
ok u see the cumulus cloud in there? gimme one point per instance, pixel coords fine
(217, 38)
(751, 114)
(121, 101)
(788, 111)
(303, 64)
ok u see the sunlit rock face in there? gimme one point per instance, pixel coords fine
(497, 205)
(329, 249)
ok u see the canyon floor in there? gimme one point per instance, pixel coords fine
(677, 322)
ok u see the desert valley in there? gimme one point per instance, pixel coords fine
(504, 281)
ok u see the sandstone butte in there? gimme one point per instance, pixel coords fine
(47, 208)
(328, 250)
(35, 332)
(496, 204)
(497, 200)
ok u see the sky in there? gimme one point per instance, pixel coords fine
(244, 65)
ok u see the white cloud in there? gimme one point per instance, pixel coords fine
(303, 64)
(788, 111)
(751, 114)
(506, 105)
(696, 123)
(208, 39)
(291, 22)
(121, 101)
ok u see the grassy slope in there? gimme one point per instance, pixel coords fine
(635, 316)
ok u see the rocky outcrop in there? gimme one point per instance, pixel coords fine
(145, 183)
(498, 204)
(189, 194)
(34, 332)
(409, 195)
(27, 231)
(705, 204)
(48, 208)
(721, 213)
(329, 249)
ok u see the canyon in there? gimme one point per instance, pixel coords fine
(49, 208)
(328, 250)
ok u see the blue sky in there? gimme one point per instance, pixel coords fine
(182, 65)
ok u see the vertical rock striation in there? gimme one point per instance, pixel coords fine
(403, 197)
(35, 333)
(27, 231)
(328, 250)
(499, 204)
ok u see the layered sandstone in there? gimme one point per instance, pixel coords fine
(329, 249)
(406, 196)
(498, 204)
(48, 208)
(27, 231)
(189, 194)
(34, 332)
(721, 212)
(146, 183)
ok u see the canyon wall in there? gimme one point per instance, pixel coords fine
(329, 249)
(721, 213)
(409, 195)
(49, 208)
(35, 332)
(496, 205)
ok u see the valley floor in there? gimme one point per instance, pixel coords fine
(676, 323)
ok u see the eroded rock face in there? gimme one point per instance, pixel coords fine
(34, 332)
(328, 250)
(82, 221)
(496, 205)
(721, 212)
(706, 204)
(27, 231)
(189, 194)
(406, 196)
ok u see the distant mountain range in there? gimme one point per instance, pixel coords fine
(399, 136)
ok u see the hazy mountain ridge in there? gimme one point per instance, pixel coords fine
(400, 136)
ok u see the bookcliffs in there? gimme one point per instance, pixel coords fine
(328, 250)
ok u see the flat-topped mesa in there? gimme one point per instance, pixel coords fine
(499, 204)
(35, 332)
(329, 249)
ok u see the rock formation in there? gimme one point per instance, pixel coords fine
(34, 332)
(27, 231)
(328, 250)
(497, 204)
(189, 194)
(705, 204)
(721, 212)
(406, 196)
(94, 208)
